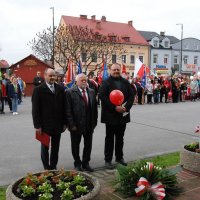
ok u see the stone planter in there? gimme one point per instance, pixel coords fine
(93, 195)
(190, 160)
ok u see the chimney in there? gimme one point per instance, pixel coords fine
(98, 25)
(93, 17)
(83, 16)
(130, 23)
(103, 18)
(162, 33)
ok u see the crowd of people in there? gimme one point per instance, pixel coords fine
(56, 108)
(159, 89)
(11, 92)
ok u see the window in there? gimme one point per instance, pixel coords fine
(155, 58)
(126, 39)
(84, 57)
(114, 58)
(124, 58)
(166, 59)
(166, 44)
(195, 60)
(155, 43)
(113, 38)
(141, 58)
(185, 59)
(175, 59)
(94, 57)
(132, 59)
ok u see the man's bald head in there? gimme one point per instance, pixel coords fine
(49, 76)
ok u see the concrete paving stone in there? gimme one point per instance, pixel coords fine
(186, 175)
(190, 184)
(190, 195)
(114, 196)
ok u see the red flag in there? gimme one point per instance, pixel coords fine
(140, 68)
(69, 76)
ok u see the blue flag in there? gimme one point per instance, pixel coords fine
(144, 79)
(105, 72)
(79, 71)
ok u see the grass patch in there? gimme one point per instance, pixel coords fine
(166, 160)
(2, 193)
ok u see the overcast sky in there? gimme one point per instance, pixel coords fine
(20, 20)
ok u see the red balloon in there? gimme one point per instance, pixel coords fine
(169, 94)
(116, 97)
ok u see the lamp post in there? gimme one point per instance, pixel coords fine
(180, 68)
(53, 37)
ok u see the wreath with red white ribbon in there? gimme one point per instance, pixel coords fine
(147, 181)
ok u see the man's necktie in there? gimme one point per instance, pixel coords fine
(84, 97)
(52, 88)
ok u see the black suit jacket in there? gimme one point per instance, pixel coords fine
(108, 113)
(48, 109)
(75, 109)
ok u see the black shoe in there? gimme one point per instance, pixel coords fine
(87, 168)
(78, 168)
(108, 165)
(122, 162)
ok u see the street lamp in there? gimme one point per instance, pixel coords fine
(53, 37)
(181, 47)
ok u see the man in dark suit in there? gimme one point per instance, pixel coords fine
(48, 111)
(115, 117)
(38, 79)
(81, 113)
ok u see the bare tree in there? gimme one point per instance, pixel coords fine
(73, 42)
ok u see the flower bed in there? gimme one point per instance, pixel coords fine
(147, 181)
(190, 158)
(59, 185)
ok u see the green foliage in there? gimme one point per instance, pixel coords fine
(45, 188)
(2, 193)
(166, 160)
(78, 180)
(128, 177)
(67, 195)
(27, 191)
(45, 196)
(63, 185)
(192, 146)
(81, 189)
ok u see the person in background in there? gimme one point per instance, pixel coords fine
(38, 79)
(149, 89)
(14, 93)
(81, 115)
(48, 112)
(6, 81)
(21, 85)
(115, 117)
(2, 97)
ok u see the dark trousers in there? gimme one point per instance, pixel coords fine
(55, 144)
(114, 132)
(2, 104)
(139, 97)
(149, 98)
(9, 103)
(75, 147)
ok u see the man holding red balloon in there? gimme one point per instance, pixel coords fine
(117, 97)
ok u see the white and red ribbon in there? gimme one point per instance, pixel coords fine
(157, 189)
(150, 166)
